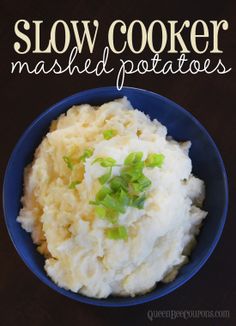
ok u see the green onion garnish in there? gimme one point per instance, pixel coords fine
(73, 184)
(127, 189)
(133, 158)
(112, 216)
(106, 214)
(141, 184)
(113, 203)
(102, 193)
(154, 160)
(93, 202)
(122, 197)
(118, 183)
(105, 177)
(132, 172)
(87, 153)
(68, 162)
(117, 233)
(105, 161)
(138, 202)
(108, 134)
(100, 212)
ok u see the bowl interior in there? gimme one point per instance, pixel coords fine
(207, 165)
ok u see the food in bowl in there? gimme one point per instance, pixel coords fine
(111, 202)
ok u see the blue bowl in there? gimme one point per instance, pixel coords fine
(207, 165)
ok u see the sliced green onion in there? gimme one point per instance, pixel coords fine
(108, 134)
(73, 184)
(108, 162)
(154, 160)
(123, 198)
(117, 232)
(93, 202)
(105, 162)
(132, 172)
(118, 183)
(102, 193)
(112, 203)
(68, 162)
(133, 158)
(141, 184)
(138, 201)
(105, 177)
(126, 189)
(87, 153)
(97, 160)
(112, 216)
(107, 214)
(100, 212)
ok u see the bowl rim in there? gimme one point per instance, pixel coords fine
(125, 301)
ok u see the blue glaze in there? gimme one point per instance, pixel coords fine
(207, 165)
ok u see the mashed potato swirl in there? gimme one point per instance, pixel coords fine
(62, 222)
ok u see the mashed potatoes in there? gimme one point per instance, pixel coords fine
(87, 248)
